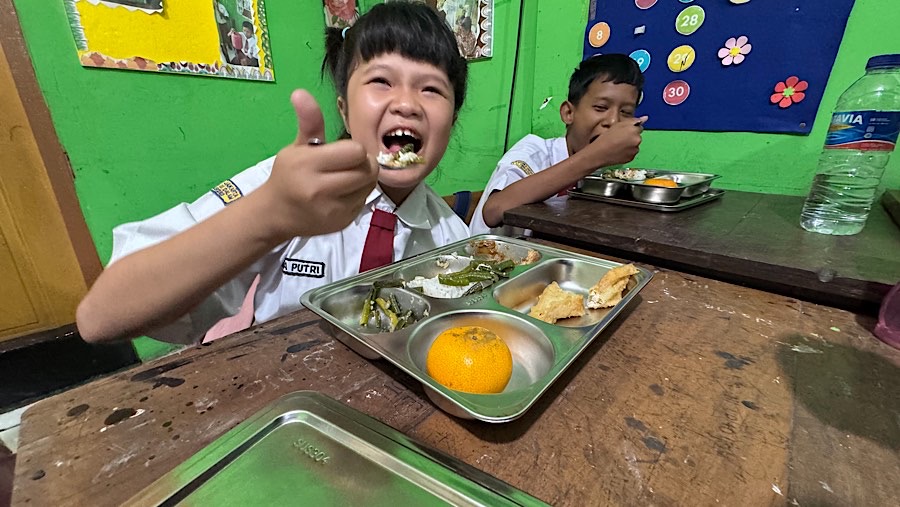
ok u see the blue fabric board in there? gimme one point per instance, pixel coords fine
(789, 38)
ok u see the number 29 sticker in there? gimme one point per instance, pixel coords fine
(642, 57)
(676, 92)
(681, 58)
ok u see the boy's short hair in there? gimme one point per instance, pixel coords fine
(248, 24)
(614, 67)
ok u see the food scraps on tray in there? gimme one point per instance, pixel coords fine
(625, 174)
(607, 292)
(555, 303)
(475, 277)
(385, 313)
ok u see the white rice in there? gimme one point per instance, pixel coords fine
(433, 288)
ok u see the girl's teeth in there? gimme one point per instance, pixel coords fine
(402, 132)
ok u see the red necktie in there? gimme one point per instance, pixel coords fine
(379, 248)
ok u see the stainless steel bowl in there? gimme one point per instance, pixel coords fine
(532, 352)
(655, 194)
(694, 183)
(601, 186)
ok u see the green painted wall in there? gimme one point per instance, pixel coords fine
(140, 142)
(771, 163)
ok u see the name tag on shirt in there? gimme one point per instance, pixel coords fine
(299, 267)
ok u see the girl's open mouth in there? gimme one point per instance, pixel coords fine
(401, 149)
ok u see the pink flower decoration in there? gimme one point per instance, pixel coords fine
(790, 91)
(734, 50)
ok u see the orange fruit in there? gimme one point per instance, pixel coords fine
(471, 359)
(660, 182)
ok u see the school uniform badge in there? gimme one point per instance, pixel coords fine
(521, 164)
(227, 191)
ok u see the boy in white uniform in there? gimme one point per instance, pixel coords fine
(301, 219)
(601, 131)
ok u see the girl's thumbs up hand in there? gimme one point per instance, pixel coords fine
(316, 188)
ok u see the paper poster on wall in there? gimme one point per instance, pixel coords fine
(340, 13)
(473, 23)
(217, 38)
(144, 5)
(716, 65)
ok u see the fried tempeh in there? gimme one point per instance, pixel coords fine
(555, 303)
(607, 292)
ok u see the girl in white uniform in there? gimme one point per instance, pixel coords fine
(300, 219)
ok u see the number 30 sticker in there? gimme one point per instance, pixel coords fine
(676, 92)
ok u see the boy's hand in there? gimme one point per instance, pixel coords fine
(619, 144)
(316, 188)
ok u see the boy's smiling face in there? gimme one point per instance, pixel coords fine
(393, 101)
(604, 104)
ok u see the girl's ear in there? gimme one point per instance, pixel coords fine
(342, 108)
(567, 112)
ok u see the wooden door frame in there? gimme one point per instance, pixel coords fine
(59, 169)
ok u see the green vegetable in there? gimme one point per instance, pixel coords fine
(386, 308)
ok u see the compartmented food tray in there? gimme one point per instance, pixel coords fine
(308, 449)
(681, 205)
(540, 351)
(683, 185)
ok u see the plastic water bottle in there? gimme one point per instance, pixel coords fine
(862, 134)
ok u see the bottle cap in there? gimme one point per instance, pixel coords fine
(883, 61)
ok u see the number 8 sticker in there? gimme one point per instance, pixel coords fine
(676, 92)
(599, 34)
(689, 20)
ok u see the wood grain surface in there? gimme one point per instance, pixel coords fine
(742, 237)
(700, 393)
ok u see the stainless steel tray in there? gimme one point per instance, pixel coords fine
(308, 449)
(541, 351)
(689, 185)
(682, 204)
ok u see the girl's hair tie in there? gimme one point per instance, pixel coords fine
(344, 32)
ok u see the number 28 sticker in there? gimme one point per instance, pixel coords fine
(676, 92)
(689, 20)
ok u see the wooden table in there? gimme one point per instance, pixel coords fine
(742, 237)
(700, 393)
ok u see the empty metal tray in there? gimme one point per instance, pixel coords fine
(541, 351)
(308, 449)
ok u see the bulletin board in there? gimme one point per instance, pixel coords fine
(217, 38)
(724, 65)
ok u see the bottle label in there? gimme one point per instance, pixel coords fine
(863, 130)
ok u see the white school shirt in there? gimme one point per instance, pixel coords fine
(532, 154)
(424, 222)
(250, 48)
